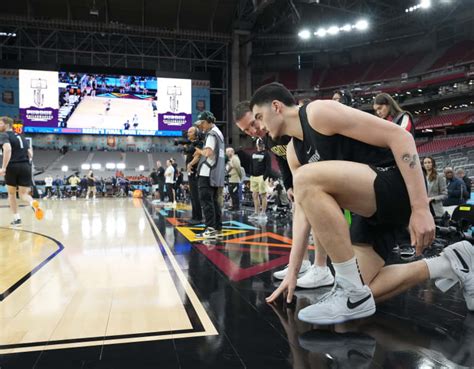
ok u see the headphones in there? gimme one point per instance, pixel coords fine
(346, 97)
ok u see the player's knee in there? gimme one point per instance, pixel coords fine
(305, 181)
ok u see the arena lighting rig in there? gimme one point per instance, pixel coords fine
(360, 25)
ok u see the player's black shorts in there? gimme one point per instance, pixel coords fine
(389, 225)
(18, 174)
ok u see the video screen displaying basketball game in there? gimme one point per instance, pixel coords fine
(85, 103)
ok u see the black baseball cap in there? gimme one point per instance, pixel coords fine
(205, 115)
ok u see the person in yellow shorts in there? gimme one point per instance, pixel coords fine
(260, 169)
(74, 181)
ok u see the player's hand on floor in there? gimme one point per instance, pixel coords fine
(287, 287)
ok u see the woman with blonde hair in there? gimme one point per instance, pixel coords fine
(437, 191)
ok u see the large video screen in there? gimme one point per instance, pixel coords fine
(85, 103)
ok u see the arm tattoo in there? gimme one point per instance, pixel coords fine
(410, 159)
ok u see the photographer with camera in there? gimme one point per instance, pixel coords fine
(211, 174)
(195, 138)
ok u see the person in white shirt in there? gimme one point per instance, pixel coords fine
(169, 181)
(49, 186)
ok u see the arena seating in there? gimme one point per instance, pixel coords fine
(443, 144)
(375, 71)
(460, 52)
(135, 159)
(104, 157)
(73, 159)
(445, 120)
(337, 76)
(163, 156)
(44, 158)
(289, 78)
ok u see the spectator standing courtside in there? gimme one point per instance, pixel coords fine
(169, 180)
(386, 107)
(467, 181)
(91, 185)
(48, 181)
(192, 161)
(74, 181)
(211, 174)
(260, 170)
(437, 191)
(456, 188)
(161, 180)
(154, 185)
(234, 169)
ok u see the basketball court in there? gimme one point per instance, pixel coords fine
(91, 113)
(122, 283)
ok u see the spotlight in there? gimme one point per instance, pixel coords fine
(121, 166)
(110, 166)
(321, 32)
(333, 30)
(96, 166)
(346, 28)
(141, 168)
(85, 166)
(425, 4)
(64, 168)
(362, 25)
(304, 34)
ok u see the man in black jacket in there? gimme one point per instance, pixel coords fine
(467, 181)
(192, 161)
(456, 188)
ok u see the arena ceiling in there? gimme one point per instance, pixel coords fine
(260, 17)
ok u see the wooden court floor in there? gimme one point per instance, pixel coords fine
(91, 273)
(91, 113)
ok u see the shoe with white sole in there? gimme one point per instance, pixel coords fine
(281, 274)
(346, 350)
(316, 277)
(461, 257)
(208, 233)
(344, 302)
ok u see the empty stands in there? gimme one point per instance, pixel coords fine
(445, 120)
(460, 52)
(443, 144)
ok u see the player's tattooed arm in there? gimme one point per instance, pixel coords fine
(410, 159)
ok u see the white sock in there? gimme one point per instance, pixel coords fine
(321, 268)
(16, 216)
(349, 270)
(440, 267)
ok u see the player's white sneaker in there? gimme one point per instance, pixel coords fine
(344, 302)
(281, 274)
(316, 277)
(461, 257)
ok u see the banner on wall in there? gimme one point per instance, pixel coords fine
(39, 103)
(201, 97)
(9, 93)
(174, 104)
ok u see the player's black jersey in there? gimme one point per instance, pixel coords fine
(19, 144)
